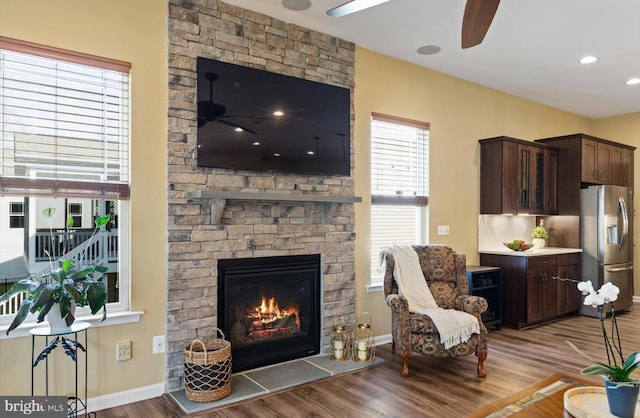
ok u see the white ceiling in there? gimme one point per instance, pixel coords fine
(531, 50)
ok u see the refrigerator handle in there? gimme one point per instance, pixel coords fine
(619, 269)
(622, 208)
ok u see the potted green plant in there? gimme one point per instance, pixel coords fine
(620, 387)
(539, 235)
(65, 286)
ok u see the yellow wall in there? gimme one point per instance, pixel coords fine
(460, 113)
(132, 31)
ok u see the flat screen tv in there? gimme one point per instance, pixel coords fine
(250, 119)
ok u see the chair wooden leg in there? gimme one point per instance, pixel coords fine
(482, 355)
(406, 354)
(393, 346)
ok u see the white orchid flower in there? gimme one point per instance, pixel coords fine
(586, 287)
(609, 292)
(592, 299)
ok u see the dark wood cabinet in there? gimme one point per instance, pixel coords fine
(616, 162)
(533, 289)
(596, 162)
(541, 289)
(627, 167)
(621, 166)
(567, 294)
(517, 176)
(586, 160)
(498, 174)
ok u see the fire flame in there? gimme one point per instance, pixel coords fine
(268, 311)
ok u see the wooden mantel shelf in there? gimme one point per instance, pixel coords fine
(218, 200)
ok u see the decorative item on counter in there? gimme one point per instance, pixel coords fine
(364, 345)
(539, 235)
(517, 245)
(620, 387)
(339, 346)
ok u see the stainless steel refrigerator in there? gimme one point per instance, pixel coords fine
(606, 239)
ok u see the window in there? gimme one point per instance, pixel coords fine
(75, 212)
(16, 215)
(399, 184)
(64, 143)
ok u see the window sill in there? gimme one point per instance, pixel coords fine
(113, 318)
(374, 287)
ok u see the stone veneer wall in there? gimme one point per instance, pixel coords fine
(214, 29)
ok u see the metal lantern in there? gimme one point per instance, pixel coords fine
(339, 342)
(364, 345)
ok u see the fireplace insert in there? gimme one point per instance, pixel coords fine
(269, 308)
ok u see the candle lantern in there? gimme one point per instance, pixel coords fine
(339, 342)
(364, 347)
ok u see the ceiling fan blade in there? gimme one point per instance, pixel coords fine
(353, 6)
(478, 15)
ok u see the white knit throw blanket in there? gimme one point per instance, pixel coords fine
(454, 326)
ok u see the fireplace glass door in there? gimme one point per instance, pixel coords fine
(269, 308)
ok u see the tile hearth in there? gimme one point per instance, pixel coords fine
(265, 380)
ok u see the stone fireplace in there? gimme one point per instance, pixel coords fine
(265, 214)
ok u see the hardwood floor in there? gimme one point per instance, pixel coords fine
(435, 387)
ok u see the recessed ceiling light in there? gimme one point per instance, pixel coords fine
(276, 154)
(310, 153)
(633, 81)
(429, 50)
(278, 113)
(588, 59)
(256, 144)
(238, 129)
(296, 4)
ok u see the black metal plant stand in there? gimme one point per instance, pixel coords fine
(75, 405)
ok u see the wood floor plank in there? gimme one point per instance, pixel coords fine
(435, 387)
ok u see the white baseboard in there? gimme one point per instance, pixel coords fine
(128, 396)
(636, 299)
(383, 339)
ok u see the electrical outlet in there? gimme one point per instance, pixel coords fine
(123, 350)
(158, 344)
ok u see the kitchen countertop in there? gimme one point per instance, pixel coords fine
(533, 252)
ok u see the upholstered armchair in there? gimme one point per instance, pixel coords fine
(445, 273)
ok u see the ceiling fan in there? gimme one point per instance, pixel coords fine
(208, 111)
(478, 15)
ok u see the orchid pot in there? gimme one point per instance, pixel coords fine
(622, 397)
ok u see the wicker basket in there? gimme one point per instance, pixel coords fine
(207, 368)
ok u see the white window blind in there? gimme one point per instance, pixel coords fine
(399, 184)
(65, 124)
(399, 159)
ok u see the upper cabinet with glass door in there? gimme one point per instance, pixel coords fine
(517, 177)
